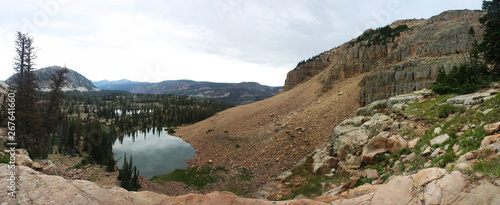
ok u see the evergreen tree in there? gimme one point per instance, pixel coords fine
(29, 132)
(129, 175)
(491, 42)
(70, 137)
(78, 133)
(110, 167)
(53, 111)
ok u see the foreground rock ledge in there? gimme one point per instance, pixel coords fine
(428, 186)
(38, 188)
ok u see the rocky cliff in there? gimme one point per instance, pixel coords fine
(399, 62)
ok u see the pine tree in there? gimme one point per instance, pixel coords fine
(491, 43)
(78, 133)
(129, 175)
(29, 132)
(70, 138)
(110, 167)
(53, 111)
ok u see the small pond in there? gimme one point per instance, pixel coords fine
(153, 151)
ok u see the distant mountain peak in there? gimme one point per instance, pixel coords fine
(75, 81)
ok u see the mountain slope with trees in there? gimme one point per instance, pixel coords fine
(232, 93)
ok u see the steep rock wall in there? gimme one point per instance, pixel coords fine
(402, 64)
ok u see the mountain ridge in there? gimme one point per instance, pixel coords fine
(75, 81)
(233, 93)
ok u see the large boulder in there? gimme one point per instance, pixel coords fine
(376, 146)
(395, 143)
(323, 162)
(402, 185)
(349, 139)
(48, 167)
(473, 98)
(425, 176)
(408, 98)
(440, 139)
(492, 142)
(485, 193)
(355, 121)
(378, 123)
(492, 128)
(372, 108)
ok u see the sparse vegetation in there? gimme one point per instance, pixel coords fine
(380, 35)
(196, 177)
(5, 159)
(314, 58)
(304, 182)
(429, 110)
(490, 167)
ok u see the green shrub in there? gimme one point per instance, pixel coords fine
(404, 151)
(170, 131)
(5, 159)
(381, 158)
(462, 79)
(446, 109)
(447, 158)
(196, 177)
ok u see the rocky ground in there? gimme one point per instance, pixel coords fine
(270, 136)
(399, 141)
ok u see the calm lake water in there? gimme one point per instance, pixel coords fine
(154, 152)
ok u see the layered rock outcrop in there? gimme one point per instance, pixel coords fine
(404, 63)
(428, 186)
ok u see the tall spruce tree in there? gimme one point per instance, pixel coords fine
(29, 132)
(53, 112)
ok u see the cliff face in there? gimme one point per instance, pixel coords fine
(401, 63)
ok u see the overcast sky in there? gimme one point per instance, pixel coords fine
(217, 40)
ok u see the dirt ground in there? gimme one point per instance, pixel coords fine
(271, 136)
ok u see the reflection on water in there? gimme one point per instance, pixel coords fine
(153, 151)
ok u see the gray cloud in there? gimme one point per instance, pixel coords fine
(220, 40)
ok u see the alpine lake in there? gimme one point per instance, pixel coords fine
(154, 152)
